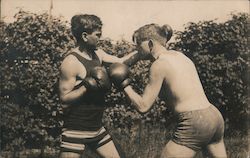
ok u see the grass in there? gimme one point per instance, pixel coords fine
(146, 141)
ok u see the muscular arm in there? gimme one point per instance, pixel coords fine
(144, 103)
(67, 82)
(129, 59)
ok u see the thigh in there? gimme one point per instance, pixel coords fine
(108, 150)
(217, 149)
(69, 154)
(175, 150)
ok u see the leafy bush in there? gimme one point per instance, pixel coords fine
(33, 47)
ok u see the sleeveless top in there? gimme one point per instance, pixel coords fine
(86, 113)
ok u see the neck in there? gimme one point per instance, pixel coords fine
(157, 51)
(84, 48)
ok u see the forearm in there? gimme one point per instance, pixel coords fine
(137, 101)
(131, 58)
(128, 59)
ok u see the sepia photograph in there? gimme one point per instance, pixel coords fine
(124, 78)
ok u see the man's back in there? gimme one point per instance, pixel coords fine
(182, 82)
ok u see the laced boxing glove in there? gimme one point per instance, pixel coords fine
(101, 77)
(90, 84)
(119, 75)
(98, 80)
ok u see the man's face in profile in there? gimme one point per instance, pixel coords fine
(93, 38)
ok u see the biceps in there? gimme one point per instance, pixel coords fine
(66, 85)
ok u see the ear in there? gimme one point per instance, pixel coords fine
(84, 36)
(150, 45)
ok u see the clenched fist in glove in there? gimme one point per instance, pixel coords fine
(119, 74)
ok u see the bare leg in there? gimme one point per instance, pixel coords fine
(217, 149)
(175, 150)
(108, 150)
(69, 155)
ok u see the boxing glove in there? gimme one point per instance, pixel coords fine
(119, 75)
(89, 83)
(101, 77)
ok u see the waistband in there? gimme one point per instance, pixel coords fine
(196, 111)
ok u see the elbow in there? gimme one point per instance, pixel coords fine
(63, 99)
(143, 108)
(120, 60)
(143, 111)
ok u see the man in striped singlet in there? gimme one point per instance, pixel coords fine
(83, 84)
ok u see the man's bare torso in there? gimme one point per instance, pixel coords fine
(182, 86)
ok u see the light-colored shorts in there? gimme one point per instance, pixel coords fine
(196, 129)
(75, 141)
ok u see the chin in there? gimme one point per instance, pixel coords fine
(92, 47)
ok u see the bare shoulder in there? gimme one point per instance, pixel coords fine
(69, 64)
(69, 61)
(181, 57)
(161, 63)
(159, 66)
(179, 53)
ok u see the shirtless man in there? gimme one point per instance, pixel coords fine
(83, 84)
(199, 124)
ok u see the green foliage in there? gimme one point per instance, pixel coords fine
(33, 46)
(220, 53)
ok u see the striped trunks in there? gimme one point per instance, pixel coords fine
(75, 141)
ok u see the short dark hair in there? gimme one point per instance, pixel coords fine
(84, 23)
(153, 31)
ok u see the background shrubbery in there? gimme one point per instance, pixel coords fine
(32, 49)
